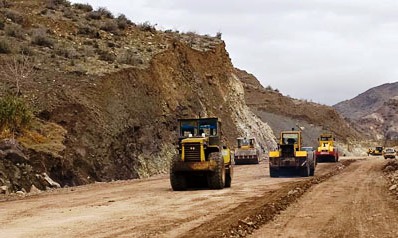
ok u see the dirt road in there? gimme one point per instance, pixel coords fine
(148, 208)
(354, 203)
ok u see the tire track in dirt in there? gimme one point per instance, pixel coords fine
(354, 203)
(249, 216)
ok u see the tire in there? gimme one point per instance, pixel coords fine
(178, 180)
(228, 177)
(216, 178)
(312, 171)
(273, 173)
(305, 171)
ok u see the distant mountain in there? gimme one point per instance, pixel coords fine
(283, 112)
(374, 111)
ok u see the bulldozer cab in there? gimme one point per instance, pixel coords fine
(207, 128)
(290, 141)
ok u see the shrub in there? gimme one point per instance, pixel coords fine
(123, 22)
(2, 24)
(106, 55)
(15, 115)
(109, 26)
(5, 47)
(39, 37)
(67, 52)
(147, 26)
(105, 13)
(5, 4)
(85, 7)
(99, 14)
(14, 30)
(129, 57)
(26, 50)
(14, 16)
(53, 4)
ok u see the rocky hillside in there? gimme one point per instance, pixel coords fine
(283, 113)
(106, 93)
(375, 112)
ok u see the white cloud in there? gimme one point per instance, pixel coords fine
(323, 50)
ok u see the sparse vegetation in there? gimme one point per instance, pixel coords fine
(53, 4)
(40, 37)
(123, 22)
(99, 14)
(85, 7)
(5, 47)
(15, 115)
(269, 88)
(14, 30)
(129, 57)
(147, 26)
(110, 26)
(106, 55)
(18, 71)
(14, 16)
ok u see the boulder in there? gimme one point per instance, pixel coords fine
(50, 183)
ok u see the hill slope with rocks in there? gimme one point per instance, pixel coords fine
(106, 94)
(283, 113)
(375, 112)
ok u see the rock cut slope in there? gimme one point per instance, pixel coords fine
(115, 89)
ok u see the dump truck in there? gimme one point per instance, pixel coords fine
(201, 155)
(246, 152)
(327, 151)
(290, 157)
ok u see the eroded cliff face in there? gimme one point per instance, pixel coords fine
(122, 125)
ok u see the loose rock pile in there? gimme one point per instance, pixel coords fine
(17, 175)
(391, 173)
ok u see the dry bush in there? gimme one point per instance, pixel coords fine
(25, 49)
(147, 26)
(123, 22)
(14, 16)
(14, 30)
(105, 55)
(105, 13)
(18, 71)
(129, 57)
(85, 7)
(65, 51)
(54, 4)
(5, 46)
(110, 26)
(99, 14)
(40, 37)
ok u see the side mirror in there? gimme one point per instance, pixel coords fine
(224, 147)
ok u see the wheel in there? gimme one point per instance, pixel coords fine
(228, 177)
(305, 171)
(178, 180)
(216, 179)
(273, 172)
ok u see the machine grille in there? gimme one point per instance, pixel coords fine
(192, 152)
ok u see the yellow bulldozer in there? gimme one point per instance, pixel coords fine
(290, 156)
(201, 155)
(378, 150)
(246, 152)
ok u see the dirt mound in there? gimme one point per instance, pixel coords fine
(390, 170)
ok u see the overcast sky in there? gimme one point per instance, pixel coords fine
(326, 51)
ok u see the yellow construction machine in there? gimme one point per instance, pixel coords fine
(201, 155)
(289, 156)
(246, 152)
(327, 151)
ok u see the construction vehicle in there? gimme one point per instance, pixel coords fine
(246, 152)
(389, 153)
(201, 155)
(290, 156)
(327, 151)
(377, 151)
